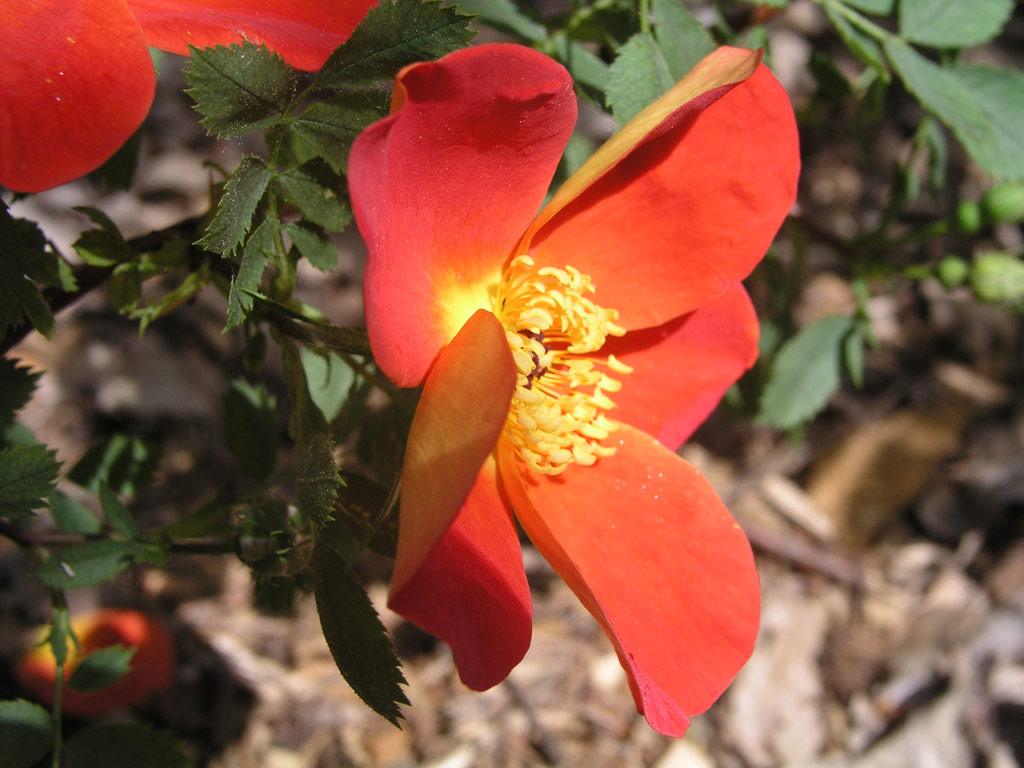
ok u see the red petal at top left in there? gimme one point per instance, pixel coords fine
(76, 81)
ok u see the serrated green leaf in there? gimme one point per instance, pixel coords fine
(90, 563)
(118, 172)
(953, 23)
(101, 668)
(103, 246)
(25, 251)
(391, 36)
(26, 733)
(126, 464)
(255, 255)
(239, 88)
(381, 443)
(355, 635)
(318, 249)
(193, 283)
(330, 127)
(73, 517)
(329, 380)
(28, 475)
(637, 77)
(319, 479)
(877, 7)
(117, 514)
(853, 356)
(250, 427)
(805, 373)
(125, 745)
(319, 193)
(16, 387)
(682, 40)
(982, 106)
(242, 194)
(506, 16)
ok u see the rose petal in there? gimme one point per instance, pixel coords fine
(471, 589)
(444, 188)
(687, 214)
(459, 417)
(76, 81)
(304, 32)
(650, 550)
(682, 369)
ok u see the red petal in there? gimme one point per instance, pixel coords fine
(650, 550)
(471, 590)
(304, 32)
(444, 188)
(682, 369)
(687, 214)
(76, 81)
(457, 423)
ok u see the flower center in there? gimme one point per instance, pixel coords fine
(557, 414)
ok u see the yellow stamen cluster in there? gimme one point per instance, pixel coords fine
(557, 414)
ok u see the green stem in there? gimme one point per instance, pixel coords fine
(397, 395)
(645, 21)
(864, 25)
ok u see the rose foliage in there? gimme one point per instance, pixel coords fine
(565, 355)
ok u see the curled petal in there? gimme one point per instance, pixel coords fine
(457, 423)
(650, 550)
(76, 81)
(444, 188)
(669, 400)
(686, 214)
(471, 589)
(304, 32)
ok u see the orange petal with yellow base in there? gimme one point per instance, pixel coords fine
(458, 420)
(650, 550)
(688, 211)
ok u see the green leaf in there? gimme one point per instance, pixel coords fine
(101, 668)
(358, 641)
(194, 282)
(124, 288)
(805, 373)
(330, 127)
(391, 36)
(16, 387)
(637, 77)
(953, 23)
(319, 193)
(506, 16)
(877, 7)
(250, 427)
(28, 475)
(682, 40)
(329, 380)
(117, 514)
(255, 255)
(863, 47)
(362, 507)
(93, 562)
(239, 88)
(103, 246)
(60, 636)
(589, 72)
(242, 194)
(319, 480)
(314, 244)
(25, 250)
(125, 745)
(73, 517)
(982, 106)
(26, 733)
(126, 464)
(118, 172)
(998, 278)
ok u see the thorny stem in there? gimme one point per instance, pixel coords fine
(29, 539)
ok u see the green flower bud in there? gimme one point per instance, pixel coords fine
(968, 216)
(1004, 203)
(952, 271)
(998, 277)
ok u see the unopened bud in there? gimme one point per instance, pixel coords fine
(1004, 203)
(968, 216)
(952, 271)
(998, 277)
